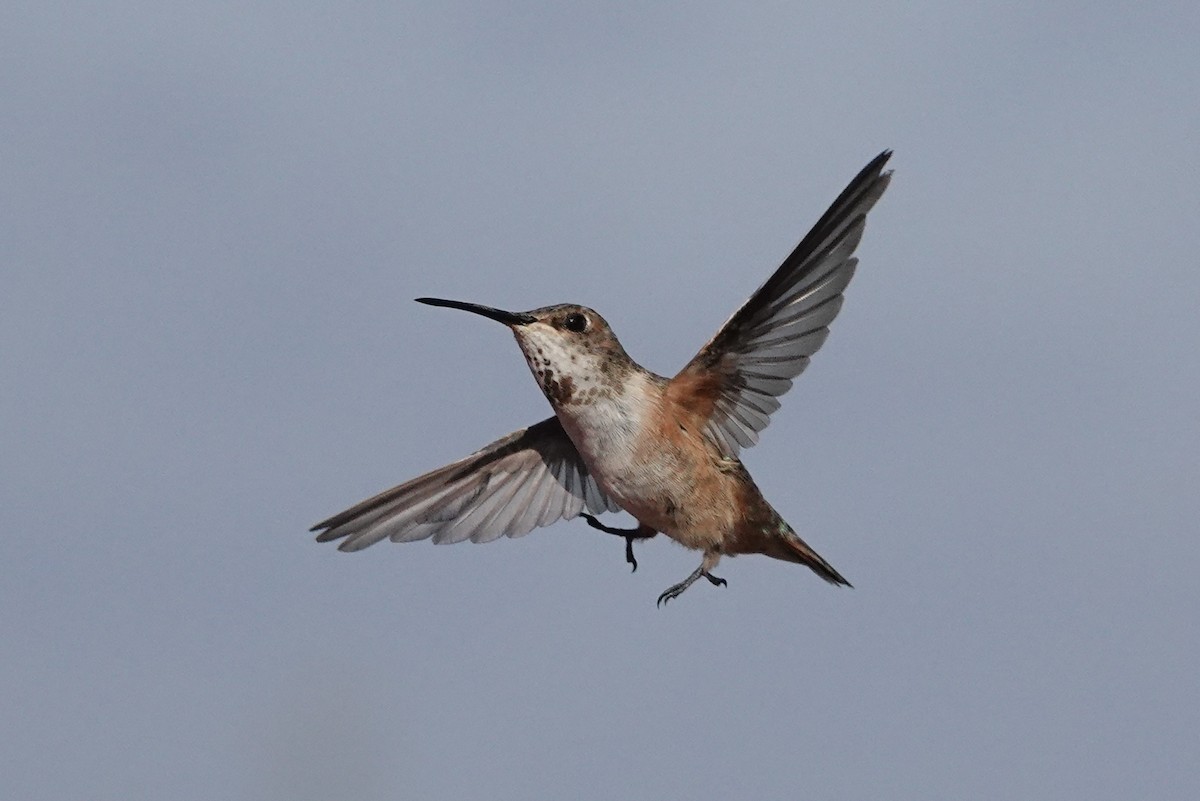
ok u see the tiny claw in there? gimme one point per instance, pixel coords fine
(671, 592)
(630, 534)
(675, 590)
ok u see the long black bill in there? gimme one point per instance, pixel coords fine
(499, 315)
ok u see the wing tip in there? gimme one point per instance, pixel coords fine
(877, 163)
(333, 535)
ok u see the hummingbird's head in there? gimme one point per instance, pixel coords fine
(570, 349)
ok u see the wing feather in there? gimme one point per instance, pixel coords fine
(771, 338)
(531, 478)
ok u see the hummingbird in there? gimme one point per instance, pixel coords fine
(664, 450)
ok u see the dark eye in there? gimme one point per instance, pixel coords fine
(575, 322)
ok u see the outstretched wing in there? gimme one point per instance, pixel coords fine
(768, 341)
(530, 478)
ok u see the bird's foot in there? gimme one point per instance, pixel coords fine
(630, 534)
(675, 590)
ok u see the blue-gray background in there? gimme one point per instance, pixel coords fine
(215, 217)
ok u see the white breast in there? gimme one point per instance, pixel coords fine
(607, 432)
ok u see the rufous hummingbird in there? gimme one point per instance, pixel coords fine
(622, 438)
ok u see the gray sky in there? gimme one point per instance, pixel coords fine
(216, 216)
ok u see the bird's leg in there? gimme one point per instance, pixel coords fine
(709, 562)
(642, 532)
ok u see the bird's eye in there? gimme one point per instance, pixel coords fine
(575, 322)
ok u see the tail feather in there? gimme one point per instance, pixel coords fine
(797, 550)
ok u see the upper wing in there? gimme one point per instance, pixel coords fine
(530, 478)
(768, 341)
